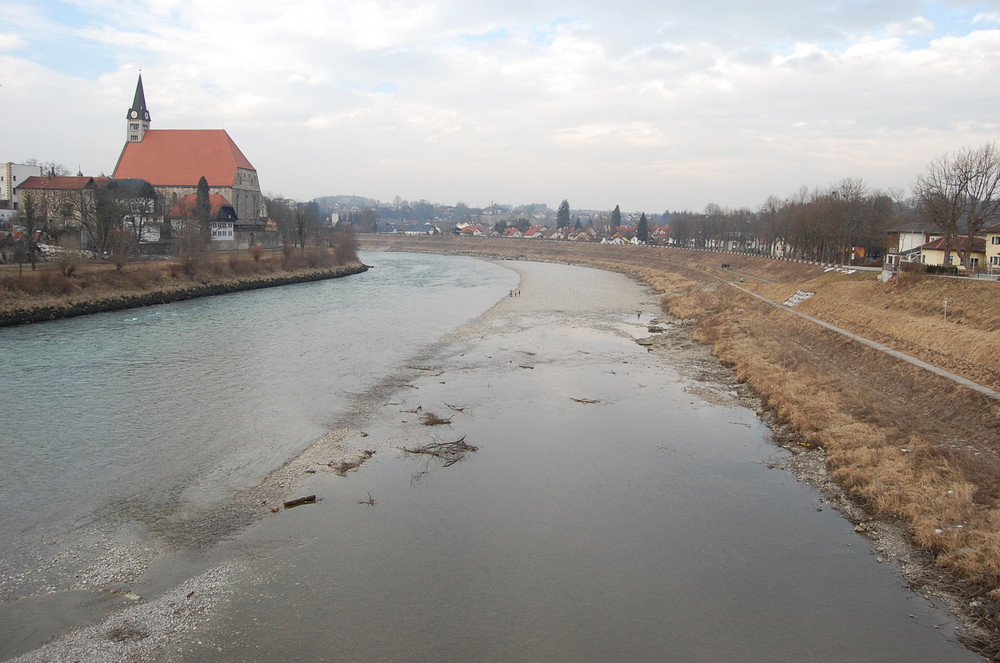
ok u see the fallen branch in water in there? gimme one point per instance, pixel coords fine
(455, 408)
(309, 499)
(370, 501)
(450, 452)
(585, 401)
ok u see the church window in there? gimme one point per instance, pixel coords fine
(133, 126)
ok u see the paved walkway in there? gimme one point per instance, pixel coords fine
(878, 346)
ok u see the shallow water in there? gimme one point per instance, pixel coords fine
(121, 420)
(641, 525)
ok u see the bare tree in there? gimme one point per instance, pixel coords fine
(961, 189)
(28, 219)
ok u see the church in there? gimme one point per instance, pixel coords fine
(173, 160)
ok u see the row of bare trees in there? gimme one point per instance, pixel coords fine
(958, 195)
(841, 223)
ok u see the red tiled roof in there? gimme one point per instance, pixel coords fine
(60, 183)
(180, 157)
(185, 206)
(960, 244)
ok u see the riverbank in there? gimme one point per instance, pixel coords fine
(912, 452)
(68, 290)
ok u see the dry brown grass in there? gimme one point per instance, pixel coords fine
(909, 446)
(51, 286)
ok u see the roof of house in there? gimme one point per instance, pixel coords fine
(961, 244)
(180, 157)
(184, 209)
(61, 183)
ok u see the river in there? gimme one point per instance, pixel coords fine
(616, 508)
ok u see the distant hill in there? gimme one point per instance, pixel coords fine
(343, 201)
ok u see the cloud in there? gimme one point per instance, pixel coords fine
(11, 42)
(449, 100)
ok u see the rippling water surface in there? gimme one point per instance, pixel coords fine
(162, 407)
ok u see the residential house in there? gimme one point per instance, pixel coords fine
(424, 228)
(991, 240)
(936, 252)
(222, 215)
(903, 244)
(88, 207)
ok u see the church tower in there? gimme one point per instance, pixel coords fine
(137, 118)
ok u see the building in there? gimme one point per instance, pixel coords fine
(181, 219)
(92, 207)
(174, 160)
(11, 175)
(992, 247)
(937, 253)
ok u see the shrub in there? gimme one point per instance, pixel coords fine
(69, 263)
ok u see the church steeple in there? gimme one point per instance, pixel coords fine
(137, 117)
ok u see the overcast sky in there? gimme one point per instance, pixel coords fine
(647, 104)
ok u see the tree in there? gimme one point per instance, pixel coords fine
(616, 218)
(101, 207)
(369, 220)
(562, 216)
(49, 168)
(203, 210)
(28, 220)
(961, 188)
(301, 226)
(642, 229)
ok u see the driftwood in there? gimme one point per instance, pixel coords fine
(308, 499)
(431, 419)
(585, 401)
(342, 467)
(455, 407)
(449, 452)
(370, 501)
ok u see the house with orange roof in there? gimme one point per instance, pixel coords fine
(937, 253)
(173, 160)
(93, 207)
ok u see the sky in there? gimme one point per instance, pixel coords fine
(651, 105)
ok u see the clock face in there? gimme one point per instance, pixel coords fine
(134, 114)
(145, 115)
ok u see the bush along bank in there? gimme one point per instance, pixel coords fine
(28, 312)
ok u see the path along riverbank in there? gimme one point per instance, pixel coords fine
(916, 455)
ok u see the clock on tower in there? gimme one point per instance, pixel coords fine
(137, 118)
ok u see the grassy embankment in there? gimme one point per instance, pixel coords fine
(910, 447)
(71, 287)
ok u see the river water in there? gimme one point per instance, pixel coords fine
(616, 509)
